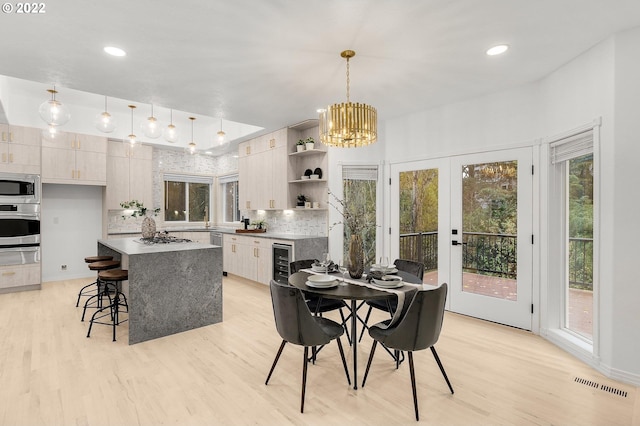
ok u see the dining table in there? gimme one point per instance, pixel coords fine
(354, 290)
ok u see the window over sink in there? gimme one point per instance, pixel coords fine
(229, 203)
(187, 198)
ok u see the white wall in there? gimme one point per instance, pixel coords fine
(70, 226)
(601, 84)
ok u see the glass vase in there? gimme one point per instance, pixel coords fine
(356, 257)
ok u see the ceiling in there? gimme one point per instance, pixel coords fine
(274, 63)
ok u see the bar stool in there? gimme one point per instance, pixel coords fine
(101, 289)
(87, 291)
(112, 280)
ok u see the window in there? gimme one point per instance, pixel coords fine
(573, 161)
(360, 187)
(229, 198)
(187, 198)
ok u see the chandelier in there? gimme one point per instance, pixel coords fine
(104, 121)
(53, 112)
(348, 125)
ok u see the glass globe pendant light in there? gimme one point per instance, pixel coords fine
(170, 132)
(132, 137)
(191, 147)
(221, 134)
(105, 121)
(151, 127)
(52, 134)
(53, 112)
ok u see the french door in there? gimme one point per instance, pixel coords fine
(472, 229)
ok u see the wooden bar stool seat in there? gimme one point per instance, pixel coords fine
(112, 280)
(91, 259)
(96, 294)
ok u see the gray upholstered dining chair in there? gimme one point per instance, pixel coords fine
(298, 326)
(318, 305)
(390, 304)
(418, 328)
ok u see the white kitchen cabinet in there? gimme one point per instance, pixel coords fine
(20, 149)
(19, 276)
(262, 172)
(78, 159)
(129, 174)
(248, 257)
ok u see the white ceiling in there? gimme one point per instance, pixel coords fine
(273, 63)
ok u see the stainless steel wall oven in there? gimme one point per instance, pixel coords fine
(19, 219)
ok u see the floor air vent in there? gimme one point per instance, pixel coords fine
(601, 387)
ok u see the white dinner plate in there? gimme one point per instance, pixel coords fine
(322, 285)
(389, 281)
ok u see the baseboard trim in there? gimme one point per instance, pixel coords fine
(20, 288)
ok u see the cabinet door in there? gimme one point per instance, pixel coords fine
(91, 167)
(244, 183)
(117, 189)
(22, 158)
(264, 259)
(58, 165)
(279, 182)
(141, 180)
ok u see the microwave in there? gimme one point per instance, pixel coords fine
(19, 188)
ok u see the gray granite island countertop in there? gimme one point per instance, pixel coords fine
(171, 288)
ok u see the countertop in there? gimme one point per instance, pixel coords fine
(275, 236)
(133, 246)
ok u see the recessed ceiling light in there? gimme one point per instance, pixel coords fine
(497, 50)
(208, 152)
(114, 51)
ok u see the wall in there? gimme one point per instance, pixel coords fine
(70, 226)
(599, 84)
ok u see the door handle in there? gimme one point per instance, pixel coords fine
(456, 243)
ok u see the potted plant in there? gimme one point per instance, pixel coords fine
(260, 224)
(300, 145)
(301, 200)
(309, 143)
(139, 210)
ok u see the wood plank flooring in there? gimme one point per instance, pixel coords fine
(50, 373)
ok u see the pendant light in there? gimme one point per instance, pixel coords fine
(191, 147)
(53, 112)
(132, 137)
(348, 124)
(52, 133)
(151, 127)
(221, 134)
(105, 121)
(170, 132)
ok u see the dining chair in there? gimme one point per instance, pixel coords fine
(319, 305)
(418, 328)
(390, 304)
(298, 326)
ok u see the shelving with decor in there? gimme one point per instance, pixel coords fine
(302, 161)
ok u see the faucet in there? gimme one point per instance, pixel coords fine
(245, 220)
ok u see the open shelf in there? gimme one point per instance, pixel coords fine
(307, 152)
(307, 180)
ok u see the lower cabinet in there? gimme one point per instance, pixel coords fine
(248, 257)
(13, 276)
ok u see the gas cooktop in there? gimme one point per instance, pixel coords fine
(163, 238)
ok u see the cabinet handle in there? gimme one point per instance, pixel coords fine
(78, 143)
(4, 136)
(10, 136)
(73, 174)
(11, 157)
(248, 150)
(6, 274)
(248, 204)
(272, 143)
(4, 157)
(78, 174)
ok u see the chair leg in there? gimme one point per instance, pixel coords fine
(366, 320)
(413, 385)
(80, 294)
(366, 372)
(275, 361)
(344, 325)
(435, 355)
(304, 377)
(344, 361)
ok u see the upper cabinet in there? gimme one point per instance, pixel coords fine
(270, 169)
(129, 174)
(20, 149)
(78, 159)
(262, 169)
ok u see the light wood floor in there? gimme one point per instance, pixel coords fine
(50, 373)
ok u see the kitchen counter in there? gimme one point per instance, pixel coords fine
(275, 236)
(171, 288)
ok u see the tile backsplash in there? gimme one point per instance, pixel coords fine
(307, 222)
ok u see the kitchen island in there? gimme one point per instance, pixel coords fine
(171, 288)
